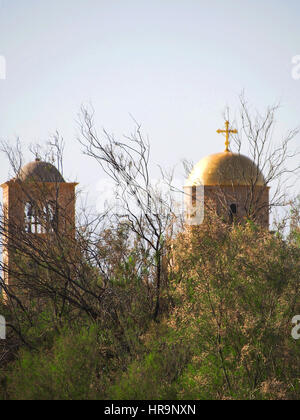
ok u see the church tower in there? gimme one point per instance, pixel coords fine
(37, 204)
(229, 184)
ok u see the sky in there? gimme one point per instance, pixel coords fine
(172, 64)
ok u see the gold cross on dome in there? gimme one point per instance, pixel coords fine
(227, 132)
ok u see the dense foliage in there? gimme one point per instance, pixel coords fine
(228, 296)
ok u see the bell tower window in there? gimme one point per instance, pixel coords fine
(32, 220)
(232, 212)
(50, 216)
(233, 208)
(40, 220)
(194, 196)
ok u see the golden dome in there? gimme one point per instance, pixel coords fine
(225, 169)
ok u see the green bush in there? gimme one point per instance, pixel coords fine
(68, 371)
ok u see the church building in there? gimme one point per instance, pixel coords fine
(229, 184)
(37, 204)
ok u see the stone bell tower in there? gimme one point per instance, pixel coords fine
(37, 204)
(229, 184)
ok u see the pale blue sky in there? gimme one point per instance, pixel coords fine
(173, 64)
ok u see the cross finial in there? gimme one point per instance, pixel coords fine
(227, 132)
